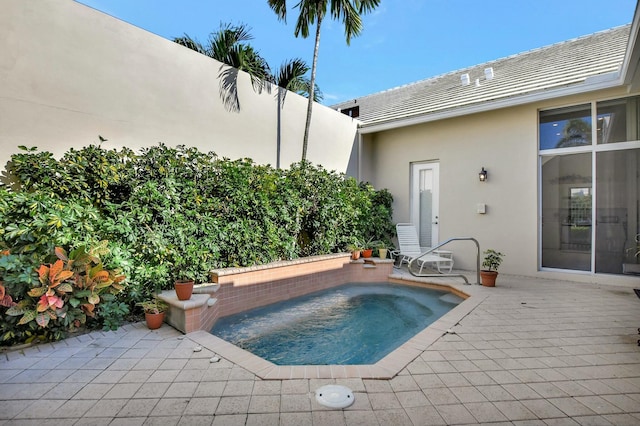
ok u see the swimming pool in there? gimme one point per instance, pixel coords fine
(346, 325)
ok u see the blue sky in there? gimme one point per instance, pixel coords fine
(403, 40)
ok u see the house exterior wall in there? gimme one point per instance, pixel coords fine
(69, 73)
(505, 143)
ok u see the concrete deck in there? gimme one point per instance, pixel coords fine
(532, 352)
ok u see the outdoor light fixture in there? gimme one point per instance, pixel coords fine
(483, 175)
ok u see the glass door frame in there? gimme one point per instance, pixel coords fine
(414, 203)
(594, 148)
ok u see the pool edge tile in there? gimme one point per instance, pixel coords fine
(386, 368)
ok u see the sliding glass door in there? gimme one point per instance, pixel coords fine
(617, 209)
(567, 211)
(590, 186)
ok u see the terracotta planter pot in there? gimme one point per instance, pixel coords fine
(367, 252)
(184, 289)
(355, 255)
(488, 278)
(154, 321)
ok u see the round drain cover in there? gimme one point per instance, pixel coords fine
(334, 396)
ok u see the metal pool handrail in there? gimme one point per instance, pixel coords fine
(466, 281)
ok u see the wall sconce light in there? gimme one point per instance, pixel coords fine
(483, 175)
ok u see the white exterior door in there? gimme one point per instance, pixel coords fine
(424, 202)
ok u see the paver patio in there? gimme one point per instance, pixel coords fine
(534, 352)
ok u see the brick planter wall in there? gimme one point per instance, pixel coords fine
(235, 290)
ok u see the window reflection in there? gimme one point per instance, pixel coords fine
(618, 215)
(565, 127)
(579, 231)
(617, 120)
(579, 220)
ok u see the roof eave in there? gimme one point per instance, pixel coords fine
(606, 81)
(630, 69)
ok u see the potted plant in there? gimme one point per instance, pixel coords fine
(367, 248)
(355, 250)
(154, 311)
(183, 287)
(631, 267)
(382, 249)
(491, 263)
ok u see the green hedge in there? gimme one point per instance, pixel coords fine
(171, 213)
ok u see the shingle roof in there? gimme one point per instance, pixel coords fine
(556, 66)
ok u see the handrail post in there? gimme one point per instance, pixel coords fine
(415, 259)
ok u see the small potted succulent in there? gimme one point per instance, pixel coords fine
(154, 311)
(491, 263)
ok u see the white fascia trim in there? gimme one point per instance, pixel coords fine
(591, 84)
(630, 63)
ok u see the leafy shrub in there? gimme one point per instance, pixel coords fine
(112, 312)
(379, 226)
(64, 295)
(169, 213)
(36, 222)
(91, 174)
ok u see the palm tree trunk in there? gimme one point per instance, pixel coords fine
(278, 131)
(305, 140)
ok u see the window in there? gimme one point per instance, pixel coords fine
(580, 206)
(617, 120)
(566, 127)
(579, 220)
(590, 194)
(617, 215)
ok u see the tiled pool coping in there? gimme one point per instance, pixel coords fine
(235, 290)
(386, 368)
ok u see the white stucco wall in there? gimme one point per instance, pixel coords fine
(504, 142)
(69, 73)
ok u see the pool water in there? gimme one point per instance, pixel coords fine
(350, 324)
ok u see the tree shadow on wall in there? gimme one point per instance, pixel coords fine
(229, 88)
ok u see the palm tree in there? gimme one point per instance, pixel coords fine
(313, 12)
(228, 45)
(291, 77)
(576, 132)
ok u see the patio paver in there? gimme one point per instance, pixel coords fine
(531, 352)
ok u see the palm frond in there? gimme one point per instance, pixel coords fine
(190, 43)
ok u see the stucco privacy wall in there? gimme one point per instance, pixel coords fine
(69, 73)
(503, 141)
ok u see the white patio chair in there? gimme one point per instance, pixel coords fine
(409, 249)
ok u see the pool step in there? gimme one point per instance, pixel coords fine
(186, 315)
(372, 262)
(206, 288)
(369, 263)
